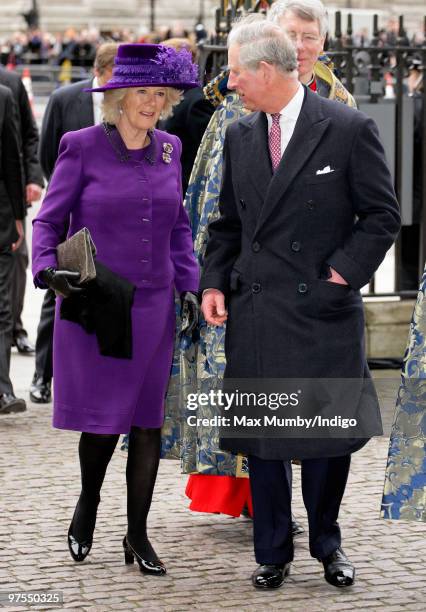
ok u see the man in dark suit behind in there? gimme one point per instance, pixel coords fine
(69, 109)
(308, 212)
(11, 236)
(190, 117)
(33, 184)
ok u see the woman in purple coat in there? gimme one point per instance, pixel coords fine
(121, 180)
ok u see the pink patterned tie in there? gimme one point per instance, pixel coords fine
(275, 140)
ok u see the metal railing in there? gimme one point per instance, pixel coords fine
(46, 78)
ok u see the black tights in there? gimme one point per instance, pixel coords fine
(141, 472)
(95, 452)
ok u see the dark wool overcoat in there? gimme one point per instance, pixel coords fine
(271, 248)
(11, 177)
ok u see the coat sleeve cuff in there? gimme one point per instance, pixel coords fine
(37, 270)
(38, 283)
(349, 269)
(214, 281)
(190, 284)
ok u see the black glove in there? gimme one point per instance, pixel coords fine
(189, 312)
(61, 281)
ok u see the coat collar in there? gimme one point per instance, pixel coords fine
(86, 115)
(120, 150)
(255, 141)
(308, 132)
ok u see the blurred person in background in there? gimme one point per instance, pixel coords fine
(35, 51)
(190, 117)
(392, 33)
(12, 211)
(70, 108)
(410, 236)
(68, 42)
(33, 185)
(84, 50)
(13, 49)
(177, 30)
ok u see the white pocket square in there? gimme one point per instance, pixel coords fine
(325, 170)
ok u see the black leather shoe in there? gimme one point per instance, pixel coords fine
(147, 567)
(338, 570)
(10, 404)
(23, 345)
(296, 528)
(40, 390)
(270, 576)
(78, 550)
(245, 512)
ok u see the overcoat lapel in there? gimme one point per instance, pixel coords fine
(255, 144)
(309, 130)
(85, 107)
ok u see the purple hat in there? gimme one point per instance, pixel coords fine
(143, 65)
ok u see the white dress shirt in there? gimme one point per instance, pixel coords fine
(289, 115)
(97, 99)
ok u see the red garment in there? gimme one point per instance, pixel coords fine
(313, 85)
(219, 494)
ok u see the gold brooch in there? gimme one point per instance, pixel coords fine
(167, 150)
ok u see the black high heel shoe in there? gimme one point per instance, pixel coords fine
(78, 550)
(147, 567)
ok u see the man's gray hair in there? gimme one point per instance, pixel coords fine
(262, 41)
(309, 10)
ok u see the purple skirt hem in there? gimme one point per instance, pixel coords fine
(67, 419)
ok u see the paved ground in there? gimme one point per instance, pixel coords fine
(209, 558)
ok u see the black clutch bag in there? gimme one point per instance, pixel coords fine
(78, 255)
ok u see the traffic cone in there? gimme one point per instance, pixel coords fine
(28, 84)
(389, 87)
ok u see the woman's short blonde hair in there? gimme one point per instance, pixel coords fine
(113, 97)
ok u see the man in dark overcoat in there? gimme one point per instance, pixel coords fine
(33, 184)
(308, 212)
(11, 236)
(69, 109)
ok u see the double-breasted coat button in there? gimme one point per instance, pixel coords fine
(242, 203)
(295, 246)
(310, 204)
(256, 247)
(256, 287)
(302, 288)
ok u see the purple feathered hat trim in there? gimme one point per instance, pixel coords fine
(143, 65)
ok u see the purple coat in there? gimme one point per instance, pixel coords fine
(134, 211)
(135, 215)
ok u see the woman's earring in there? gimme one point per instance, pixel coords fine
(120, 110)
